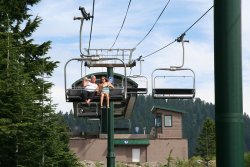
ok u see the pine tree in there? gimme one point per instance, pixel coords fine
(246, 119)
(206, 147)
(31, 133)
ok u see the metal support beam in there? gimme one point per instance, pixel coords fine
(111, 150)
(104, 121)
(228, 83)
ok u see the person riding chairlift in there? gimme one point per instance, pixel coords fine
(90, 88)
(104, 87)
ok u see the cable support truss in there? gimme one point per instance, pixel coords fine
(111, 56)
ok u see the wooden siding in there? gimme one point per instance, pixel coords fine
(171, 132)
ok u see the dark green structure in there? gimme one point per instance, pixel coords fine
(111, 149)
(122, 108)
(228, 83)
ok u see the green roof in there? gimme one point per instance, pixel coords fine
(131, 142)
(166, 108)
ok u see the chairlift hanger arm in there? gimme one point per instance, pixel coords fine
(85, 16)
(140, 64)
(80, 34)
(181, 39)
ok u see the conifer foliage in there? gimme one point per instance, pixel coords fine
(206, 147)
(31, 134)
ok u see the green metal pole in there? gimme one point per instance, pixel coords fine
(228, 83)
(111, 150)
(104, 121)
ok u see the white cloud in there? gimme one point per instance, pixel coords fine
(58, 95)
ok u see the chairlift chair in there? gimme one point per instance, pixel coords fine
(173, 93)
(138, 90)
(85, 110)
(74, 94)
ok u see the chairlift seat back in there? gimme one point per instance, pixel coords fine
(172, 93)
(137, 90)
(74, 95)
(85, 110)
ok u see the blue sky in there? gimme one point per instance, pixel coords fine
(59, 27)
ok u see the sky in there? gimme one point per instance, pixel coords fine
(59, 27)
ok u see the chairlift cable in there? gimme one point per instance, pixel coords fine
(198, 19)
(121, 25)
(90, 35)
(153, 25)
(181, 36)
(160, 49)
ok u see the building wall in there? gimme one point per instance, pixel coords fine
(89, 149)
(171, 132)
(158, 150)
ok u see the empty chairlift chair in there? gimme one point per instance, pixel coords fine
(85, 110)
(173, 86)
(142, 87)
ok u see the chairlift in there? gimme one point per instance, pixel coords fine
(138, 90)
(174, 92)
(170, 92)
(74, 94)
(118, 126)
(85, 110)
(118, 95)
(144, 79)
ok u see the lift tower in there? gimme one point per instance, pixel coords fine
(228, 83)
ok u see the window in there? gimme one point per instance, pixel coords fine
(168, 120)
(158, 121)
